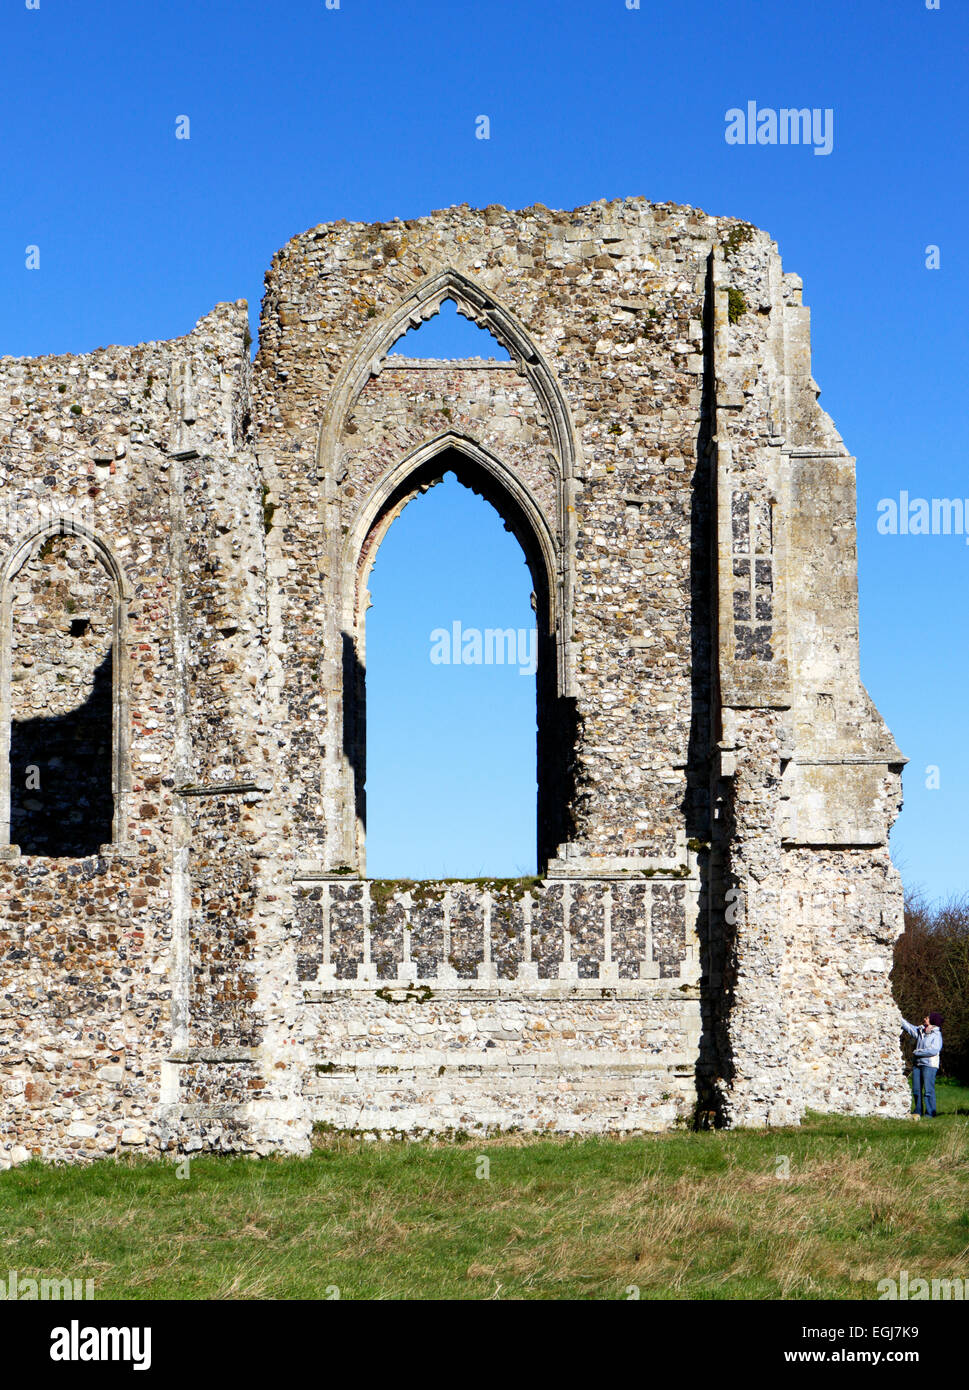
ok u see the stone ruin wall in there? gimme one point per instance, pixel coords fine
(571, 1005)
(110, 514)
(623, 341)
(718, 897)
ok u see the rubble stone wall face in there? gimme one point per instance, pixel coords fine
(191, 955)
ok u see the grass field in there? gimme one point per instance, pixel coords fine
(677, 1215)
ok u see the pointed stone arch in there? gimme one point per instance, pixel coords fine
(513, 501)
(547, 540)
(22, 550)
(483, 308)
(64, 526)
(485, 474)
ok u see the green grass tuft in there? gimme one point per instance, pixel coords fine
(678, 1215)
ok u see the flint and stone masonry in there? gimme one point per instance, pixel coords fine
(192, 956)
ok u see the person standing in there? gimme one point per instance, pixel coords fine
(925, 1063)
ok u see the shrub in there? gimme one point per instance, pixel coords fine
(931, 972)
(736, 304)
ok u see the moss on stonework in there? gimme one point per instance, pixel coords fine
(736, 304)
(401, 994)
(512, 888)
(505, 892)
(383, 890)
(422, 892)
(738, 236)
(268, 510)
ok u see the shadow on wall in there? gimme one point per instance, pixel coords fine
(61, 797)
(715, 1064)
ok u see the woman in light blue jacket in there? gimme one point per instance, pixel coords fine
(925, 1063)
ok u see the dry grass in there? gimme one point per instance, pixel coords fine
(680, 1215)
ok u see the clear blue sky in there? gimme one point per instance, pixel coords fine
(300, 114)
